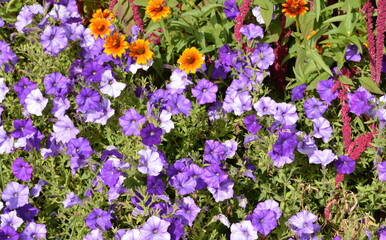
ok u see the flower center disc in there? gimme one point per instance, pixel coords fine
(294, 7)
(101, 28)
(116, 44)
(158, 8)
(140, 50)
(190, 60)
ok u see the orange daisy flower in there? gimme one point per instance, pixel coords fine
(140, 51)
(106, 14)
(100, 27)
(294, 7)
(116, 45)
(156, 10)
(191, 60)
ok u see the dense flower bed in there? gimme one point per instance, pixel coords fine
(205, 120)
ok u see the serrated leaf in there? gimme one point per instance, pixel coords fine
(345, 80)
(266, 11)
(317, 9)
(367, 83)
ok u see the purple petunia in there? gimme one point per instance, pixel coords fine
(87, 99)
(231, 11)
(358, 103)
(93, 71)
(352, 53)
(252, 31)
(324, 90)
(224, 192)
(188, 211)
(151, 135)
(252, 124)
(15, 195)
(54, 83)
(35, 102)
(263, 56)
(303, 222)
(382, 171)
(205, 91)
(11, 219)
(33, 231)
(183, 183)
(53, 40)
(100, 218)
(21, 170)
(131, 122)
(9, 233)
(344, 165)
(314, 108)
(297, 92)
(322, 129)
(264, 221)
(286, 114)
(265, 106)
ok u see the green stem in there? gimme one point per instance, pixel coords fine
(162, 23)
(1, 175)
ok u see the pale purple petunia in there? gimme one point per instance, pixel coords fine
(3, 89)
(323, 157)
(224, 192)
(155, 228)
(269, 204)
(59, 106)
(262, 56)
(94, 235)
(243, 231)
(252, 31)
(15, 195)
(131, 122)
(65, 130)
(303, 222)
(265, 106)
(71, 200)
(6, 142)
(35, 102)
(150, 162)
(53, 40)
(110, 86)
(11, 219)
(322, 129)
(131, 234)
(98, 217)
(286, 114)
(34, 231)
(382, 171)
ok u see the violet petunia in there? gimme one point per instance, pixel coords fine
(131, 122)
(252, 31)
(243, 231)
(150, 162)
(286, 114)
(205, 91)
(352, 53)
(33, 231)
(231, 11)
(155, 228)
(21, 170)
(314, 108)
(265, 106)
(324, 90)
(252, 124)
(297, 92)
(262, 56)
(151, 135)
(344, 165)
(188, 211)
(303, 222)
(323, 157)
(100, 217)
(15, 195)
(382, 171)
(264, 221)
(322, 129)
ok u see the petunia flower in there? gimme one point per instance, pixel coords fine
(6, 142)
(87, 99)
(205, 91)
(252, 31)
(110, 86)
(155, 228)
(3, 89)
(21, 170)
(100, 217)
(188, 211)
(314, 108)
(33, 231)
(53, 40)
(151, 135)
(262, 56)
(344, 165)
(27, 212)
(94, 235)
(265, 106)
(224, 192)
(382, 171)
(264, 221)
(352, 53)
(252, 124)
(65, 130)
(183, 183)
(322, 129)
(324, 90)
(150, 162)
(231, 11)
(286, 114)
(9, 233)
(131, 122)
(323, 157)
(303, 222)
(243, 231)
(36, 102)
(15, 195)
(11, 219)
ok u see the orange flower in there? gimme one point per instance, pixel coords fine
(116, 46)
(191, 60)
(156, 10)
(106, 14)
(100, 27)
(140, 51)
(294, 7)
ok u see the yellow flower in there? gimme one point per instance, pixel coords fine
(294, 7)
(100, 27)
(191, 60)
(106, 14)
(116, 45)
(140, 51)
(156, 10)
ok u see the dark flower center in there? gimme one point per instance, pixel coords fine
(110, 82)
(15, 194)
(152, 133)
(155, 231)
(8, 236)
(188, 211)
(52, 37)
(94, 73)
(22, 128)
(25, 86)
(158, 8)
(140, 50)
(101, 28)
(132, 121)
(33, 236)
(264, 109)
(261, 220)
(68, 128)
(345, 162)
(204, 90)
(117, 43)
(305, 225)
(190, 60)
(246, 233)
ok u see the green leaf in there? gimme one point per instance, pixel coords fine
(334, 6)
(339, 18)
(171, 3)
(142, 3)
(306, 23)
(207, 8)
(193, 12)
(319, 61)
(367, 83)
(314, 83)
(317, 9)
(266, 11)
(345, 80)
